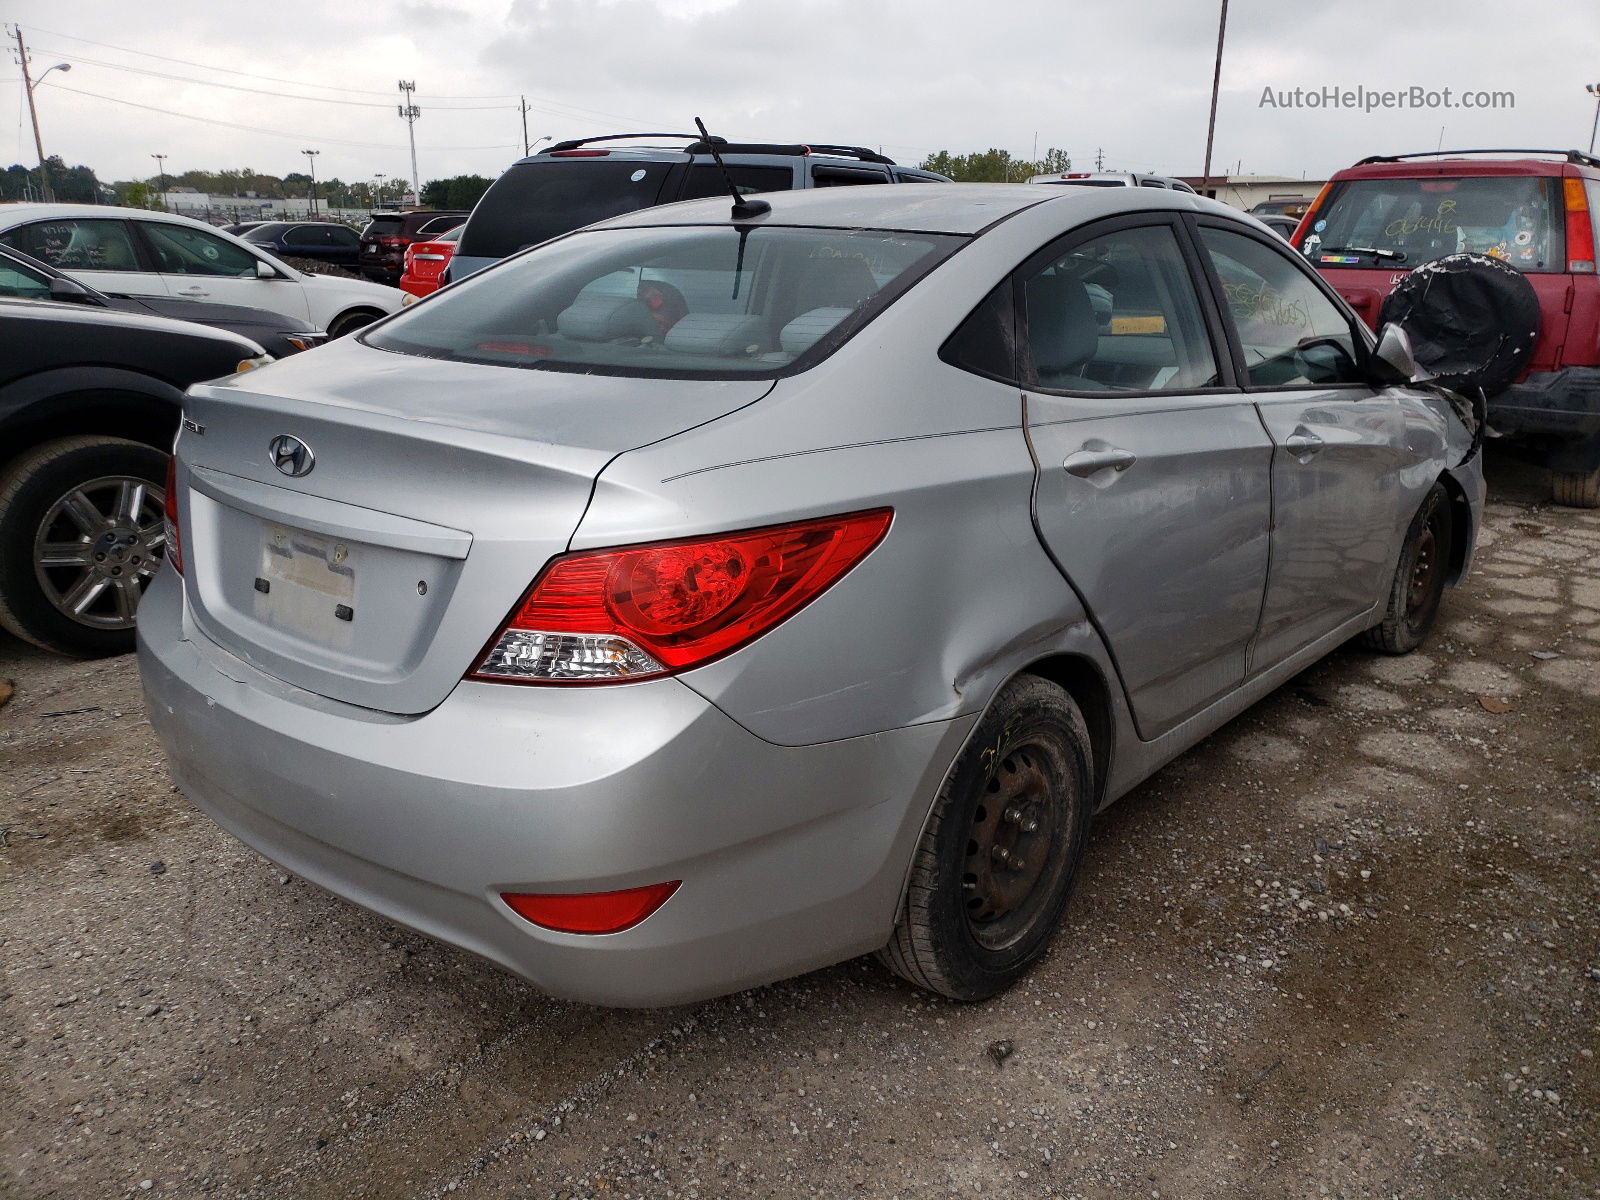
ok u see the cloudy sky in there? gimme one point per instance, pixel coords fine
(1129, 77)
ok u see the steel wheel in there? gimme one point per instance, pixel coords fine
(97, 548)
(1011, 838)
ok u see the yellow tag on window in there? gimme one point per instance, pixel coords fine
(1138, 325)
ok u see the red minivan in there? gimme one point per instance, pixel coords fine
(1535, 209)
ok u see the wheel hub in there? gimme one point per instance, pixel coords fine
(1009, 842)
(1423, 567)
(97, 548)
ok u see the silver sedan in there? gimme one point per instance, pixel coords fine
(718, 593)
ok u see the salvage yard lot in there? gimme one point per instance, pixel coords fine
(1348, 946)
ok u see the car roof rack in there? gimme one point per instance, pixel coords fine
(699, 145)
(1572, 156)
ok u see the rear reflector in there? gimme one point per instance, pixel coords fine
(590, 912)
(174, 549)
(604, 616)
(1580, 234)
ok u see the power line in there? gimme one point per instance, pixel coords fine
(246, 74)
(234, 87)
(297, 137)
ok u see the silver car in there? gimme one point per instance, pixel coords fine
(711, 595)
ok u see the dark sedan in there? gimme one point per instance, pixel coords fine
(321, 241)
(25, 278)
(89, 404)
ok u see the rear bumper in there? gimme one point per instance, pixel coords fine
(418, 287)
(791, 857)
(1564, 404)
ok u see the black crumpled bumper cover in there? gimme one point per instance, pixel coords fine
(1565, 403)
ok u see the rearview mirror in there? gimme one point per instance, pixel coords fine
(1394, 361)
(69, 290)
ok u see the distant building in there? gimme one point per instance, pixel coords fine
(1246, 191)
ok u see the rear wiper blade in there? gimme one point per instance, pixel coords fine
(1391, 255)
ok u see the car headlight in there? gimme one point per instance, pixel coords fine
(409, 300)
(250, 364)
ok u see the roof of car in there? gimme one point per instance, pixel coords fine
(961, 208)
(1471, 162)
(11, 213)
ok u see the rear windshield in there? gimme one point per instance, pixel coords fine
(690, 301)
(1414, 221)
(534, 202)
(384, 227)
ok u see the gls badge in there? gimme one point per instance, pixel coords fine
(291, 456)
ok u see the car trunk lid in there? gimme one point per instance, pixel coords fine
(429, 496)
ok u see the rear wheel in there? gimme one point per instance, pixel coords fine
(351, 321)
(1418, 584)
(1576, 489)
(996, 863)
(81, 534)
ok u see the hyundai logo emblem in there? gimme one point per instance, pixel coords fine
(291, 456)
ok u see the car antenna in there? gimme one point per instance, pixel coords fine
(742, 208)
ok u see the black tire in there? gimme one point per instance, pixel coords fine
(1418, 583)
(1576, 489)
(351, 321)
(988, 888)
(55, 557)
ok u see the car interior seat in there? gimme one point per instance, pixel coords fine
(1063, 335)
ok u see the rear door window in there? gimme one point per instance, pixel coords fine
(823, 175)
(1515, 218)
(705, 180)
(534, 202)
(93, 244)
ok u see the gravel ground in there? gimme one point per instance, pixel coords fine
(1346, 947)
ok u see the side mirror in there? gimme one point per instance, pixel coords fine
(69, 290)
(1393, 360)
(265, 270)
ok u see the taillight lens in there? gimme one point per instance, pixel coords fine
(174, 548)
(1580, 235)
(604, 616)
(590, 912)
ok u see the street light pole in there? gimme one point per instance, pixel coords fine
(311, 157)
(380, 177)
(33, 111)
(1593, 90)
(161, 165)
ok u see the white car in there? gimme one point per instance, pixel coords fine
(134, 252)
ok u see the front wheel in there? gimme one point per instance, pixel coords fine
(1418, 584)
(996, 862)
(81, 534)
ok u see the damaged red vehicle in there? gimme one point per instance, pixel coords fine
(1536, 210)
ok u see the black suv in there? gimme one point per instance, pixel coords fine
(384, 240)
(572, 184)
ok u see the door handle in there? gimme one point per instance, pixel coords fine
(1303, 444)
(1086, 462)
(194, 292)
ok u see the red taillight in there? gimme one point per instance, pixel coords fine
(607, 615)
(174, 550)
(591, 912)
(390, 241)
(1580, 234)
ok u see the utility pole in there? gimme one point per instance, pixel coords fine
(1099, 158)
(526, 148)
(1216, 87)
(311, 157)
(161, 165)
(1592, 88)
(28, 84)
(409, 113)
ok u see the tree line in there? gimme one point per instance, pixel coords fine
(996, 166)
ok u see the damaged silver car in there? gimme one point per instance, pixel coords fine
(720, 592)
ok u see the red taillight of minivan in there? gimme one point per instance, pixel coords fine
(1580, 234)
(608, 616)
(174, 547)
